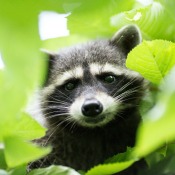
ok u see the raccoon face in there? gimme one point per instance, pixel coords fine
(89, 85)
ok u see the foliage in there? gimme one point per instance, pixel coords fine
(24, 71)
(54, 170)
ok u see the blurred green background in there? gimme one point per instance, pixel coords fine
(22, 70)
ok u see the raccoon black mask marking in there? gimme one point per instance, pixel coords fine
(90, 102)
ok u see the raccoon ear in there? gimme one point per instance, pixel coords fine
(50, 59)
(127, 38)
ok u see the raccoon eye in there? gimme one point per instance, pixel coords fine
(70, 86)
(109, 79)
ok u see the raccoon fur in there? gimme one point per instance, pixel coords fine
(90, 102)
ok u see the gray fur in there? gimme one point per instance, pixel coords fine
(92, 52)
(74, 144)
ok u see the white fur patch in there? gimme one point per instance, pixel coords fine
(74, 73)
(97, 69)
(60, 80)
(110, 108)
(33, 108)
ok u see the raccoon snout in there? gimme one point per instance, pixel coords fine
(91, 108)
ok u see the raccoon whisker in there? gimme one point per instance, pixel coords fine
(126, 93)
(128, 101)
(60, 106)
(129, 95)
(42, 162)
(130, 91)
(57, 107)
(64, 108)
(125, 98)
(121, 117)
(52, 106)
(58, 123)
(54, 130)
(45, 143)
(73, 126)
(56, 115)
(59, 111)
(56, 102)
(52, 112)
(53, 97)
(69, 122)
(56, 97)
(54, 124)
(64, 95)
(118, 84)
(126, 85)
(68, 119)
(58, 92)
(121, 88)
(123, 95)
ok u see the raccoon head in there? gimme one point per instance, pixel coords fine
(89, 85)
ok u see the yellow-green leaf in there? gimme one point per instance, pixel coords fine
(159, 125)
(152, 59)
(19, 152)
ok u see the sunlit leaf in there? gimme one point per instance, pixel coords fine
(21, 170)
(23, 70)
(57, 43)
(152, 59)
(19, 152)
(92, 18)
(28, 128)
(109, 168)
(154, 20)
(121, 157)
(114, 164)
(158, 127)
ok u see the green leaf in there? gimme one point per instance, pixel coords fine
(110, 168)
(121, 157)
(19, 152)
(3, 164)
(23, 70)
(53, 170)
(152, 59)
(114, 164)
(164, 167)
(158, 127)
(28, 128)
(86, 18)
(154, 158)
(56, 43)
(156, 21)
(18, 171)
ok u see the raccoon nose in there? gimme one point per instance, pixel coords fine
(91, 107)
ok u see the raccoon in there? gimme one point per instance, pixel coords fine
(90, 102)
